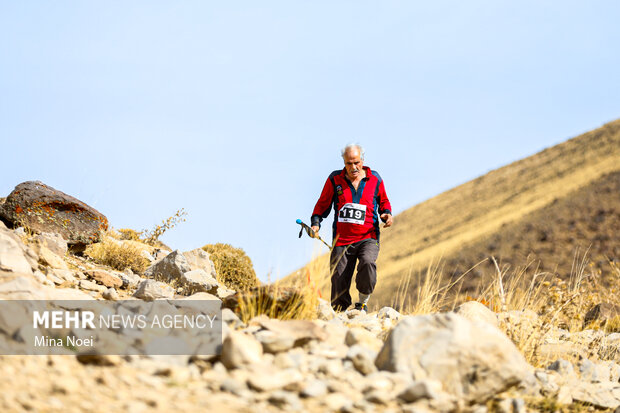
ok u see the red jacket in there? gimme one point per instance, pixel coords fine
(357, 213)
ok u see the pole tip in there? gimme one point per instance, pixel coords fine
(299, 221)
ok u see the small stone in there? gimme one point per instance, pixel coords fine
(152, 290)
(198, 281)
(362, 358)
(476, 311)
(564, 395)
(100, 359)
(427, 389)
(594, 372)
(337, 401)
(239, 350)
(234, 386)
(325, 310)
(388, 313)
(110, 294)
(129, 279)
(229, 317)
(378, 397)
(285, 400)
(314, 388)
(91, 286)
(563, 367)
(105, 278)
(274, 343)
(364, 338)
(265, 381)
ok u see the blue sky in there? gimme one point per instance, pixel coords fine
(237, 111)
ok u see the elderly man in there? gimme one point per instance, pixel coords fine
(359, 200)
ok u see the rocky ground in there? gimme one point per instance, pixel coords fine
(349, 362)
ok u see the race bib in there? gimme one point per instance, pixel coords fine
(352, 213)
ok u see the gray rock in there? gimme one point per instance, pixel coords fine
(274, 343)
(171, 267)
(12, 257)
(110, 294)
(198, 281)
(593, 372)
(129, 279)
(425, 389)
(234, 386)
(285, 400)
(301, 331)
(325, 310)
(54, 242)
(240, 350)
(473, 361)
(378, 397)
(476, 311)
(364, 338)
(388, 313)
(198, 259)
(153, 290)
(314, 388)
(229, 317)
(337, 402)
(48, 258)
(269, 380)
(362, 358)
(563, 367)
(602, 395)
(64, 275)
(91, 286)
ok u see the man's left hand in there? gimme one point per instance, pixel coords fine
(387, 218)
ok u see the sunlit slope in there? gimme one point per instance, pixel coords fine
(446, 223)
(587, 220)
(474, 211)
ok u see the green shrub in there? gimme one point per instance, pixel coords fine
(234, 268)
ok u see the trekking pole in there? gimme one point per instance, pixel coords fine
(310, 232)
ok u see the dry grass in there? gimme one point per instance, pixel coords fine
(118, 255)
(428, 292)
(533, 306)
(297, 300)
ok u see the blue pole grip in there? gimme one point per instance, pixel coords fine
(299, 221)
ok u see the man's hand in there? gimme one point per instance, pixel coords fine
(387, 218)
(315, 228)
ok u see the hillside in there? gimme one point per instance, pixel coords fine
(504, 213)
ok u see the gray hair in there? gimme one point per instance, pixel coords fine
(351, 146)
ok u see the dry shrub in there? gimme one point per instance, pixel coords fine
(284, 303)
(118, 255)
(151, 237)
(296, 301)
(129, 234)
(233, 267)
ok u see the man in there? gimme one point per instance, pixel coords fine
(359, 199)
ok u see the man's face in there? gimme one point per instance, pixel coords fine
(353, 163)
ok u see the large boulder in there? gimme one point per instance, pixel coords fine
(171, 267)
(42, 208)
(473, 360)
(198, 259)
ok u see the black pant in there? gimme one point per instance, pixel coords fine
(342, 264)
